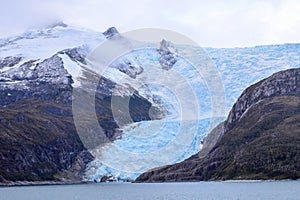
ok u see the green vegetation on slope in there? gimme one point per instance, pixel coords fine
(38, 139)
(263, 144)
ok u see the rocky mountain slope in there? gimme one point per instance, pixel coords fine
(39, 141)
(38, 137)
(259, 140)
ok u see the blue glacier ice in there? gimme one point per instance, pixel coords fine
(151, 144)
(135, 153)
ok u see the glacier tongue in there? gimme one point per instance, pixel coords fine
(150, 144)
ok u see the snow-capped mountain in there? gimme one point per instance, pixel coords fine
(38, 74)
(23, 55)
(54, 59)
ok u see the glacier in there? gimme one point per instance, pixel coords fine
(149, 144)
(142, 146)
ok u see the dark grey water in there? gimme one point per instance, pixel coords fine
(160, 191)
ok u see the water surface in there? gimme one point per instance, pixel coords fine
(157, 191)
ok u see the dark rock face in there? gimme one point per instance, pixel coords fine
(32, 148)
(132, 69)
(9, 61)
(38, 140)
(75, 54)
(168, 55)
(279, 84)
(111, 32)
(260, 139)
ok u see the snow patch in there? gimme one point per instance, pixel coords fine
(72, 67)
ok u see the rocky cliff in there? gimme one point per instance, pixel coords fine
(284, 83)
(259, 140)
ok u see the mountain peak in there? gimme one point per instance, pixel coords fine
(110, 32)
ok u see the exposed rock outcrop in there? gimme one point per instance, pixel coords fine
(111, 32)
(168, 54)
(280, 84)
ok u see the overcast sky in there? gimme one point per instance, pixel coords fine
(211, 23)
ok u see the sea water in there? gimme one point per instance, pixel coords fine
(243, 190)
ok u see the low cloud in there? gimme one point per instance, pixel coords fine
(213, 23)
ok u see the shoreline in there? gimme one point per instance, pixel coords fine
(54, 183)
(40, 183)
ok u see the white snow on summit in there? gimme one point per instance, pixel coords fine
(42, 44)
